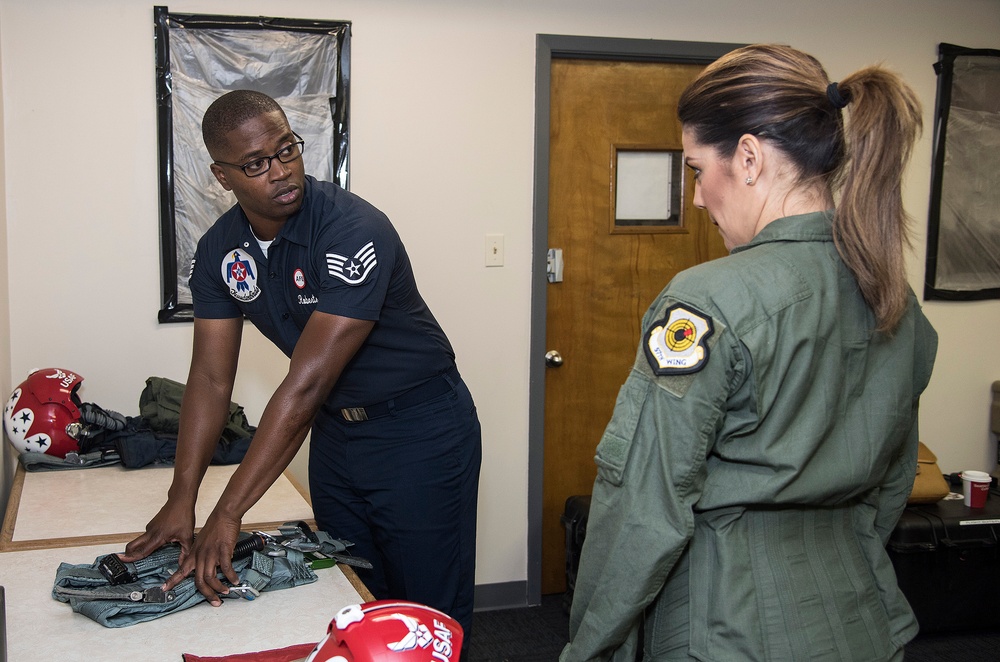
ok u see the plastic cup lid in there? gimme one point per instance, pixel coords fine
(977, 476)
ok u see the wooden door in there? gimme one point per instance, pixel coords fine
(611, 274)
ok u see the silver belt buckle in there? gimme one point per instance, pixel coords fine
(354, 414)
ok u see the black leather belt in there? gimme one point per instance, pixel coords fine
(430, 389)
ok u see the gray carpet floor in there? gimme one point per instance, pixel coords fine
(529, 634)
(538, 634)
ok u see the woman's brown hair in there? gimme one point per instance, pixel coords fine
(783, 95)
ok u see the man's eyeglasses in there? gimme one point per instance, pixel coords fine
(261, 165)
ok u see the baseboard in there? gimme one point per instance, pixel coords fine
(507, 595)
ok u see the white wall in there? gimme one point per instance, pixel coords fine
(7, 456)
(442, 140)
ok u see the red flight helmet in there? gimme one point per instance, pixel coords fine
(390, 631)
(42, 415)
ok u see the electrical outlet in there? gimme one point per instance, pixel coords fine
(494, 250)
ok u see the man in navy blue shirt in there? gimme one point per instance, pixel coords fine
(395, 449)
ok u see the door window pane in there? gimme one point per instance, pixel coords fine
(647, 188)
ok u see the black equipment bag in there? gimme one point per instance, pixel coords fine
(947, 561)
(574, 519)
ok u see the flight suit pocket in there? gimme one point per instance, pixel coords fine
(613, 449)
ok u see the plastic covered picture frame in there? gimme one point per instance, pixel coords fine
(303, 64)
(963, 238)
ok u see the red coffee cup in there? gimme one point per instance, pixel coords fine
(976, 485)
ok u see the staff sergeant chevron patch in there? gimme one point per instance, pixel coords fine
(353, 270)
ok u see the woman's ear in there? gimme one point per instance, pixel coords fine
(748, 160)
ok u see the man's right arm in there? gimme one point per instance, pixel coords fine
(204, 412)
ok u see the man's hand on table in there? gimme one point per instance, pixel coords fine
(172, 524)
(210, 553)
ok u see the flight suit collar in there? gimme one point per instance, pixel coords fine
(815, 226)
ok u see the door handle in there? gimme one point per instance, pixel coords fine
(553, 359)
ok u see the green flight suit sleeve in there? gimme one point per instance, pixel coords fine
(651, 468)
(896, 486)
(898, 482)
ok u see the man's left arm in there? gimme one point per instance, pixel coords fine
(327, 344)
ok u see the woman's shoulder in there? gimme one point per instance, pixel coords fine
(765, 269)
(748, 285)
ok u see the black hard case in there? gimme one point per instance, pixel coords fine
(947, 561)
(574, 519)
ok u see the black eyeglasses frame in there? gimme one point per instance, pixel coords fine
(277, 155)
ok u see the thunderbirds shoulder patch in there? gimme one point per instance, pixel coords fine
(676, 344)
(239, 273)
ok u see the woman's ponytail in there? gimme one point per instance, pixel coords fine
(870, 225)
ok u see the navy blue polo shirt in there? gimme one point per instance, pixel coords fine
(340, 255)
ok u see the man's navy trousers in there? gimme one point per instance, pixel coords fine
(403, 486)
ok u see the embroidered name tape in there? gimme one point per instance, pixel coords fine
(676, 344)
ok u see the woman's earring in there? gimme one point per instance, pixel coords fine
(749, 181)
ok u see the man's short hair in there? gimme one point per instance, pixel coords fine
(230, 111)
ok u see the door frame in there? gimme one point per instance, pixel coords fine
(548, 47)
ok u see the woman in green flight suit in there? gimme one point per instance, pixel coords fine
(765, 442)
